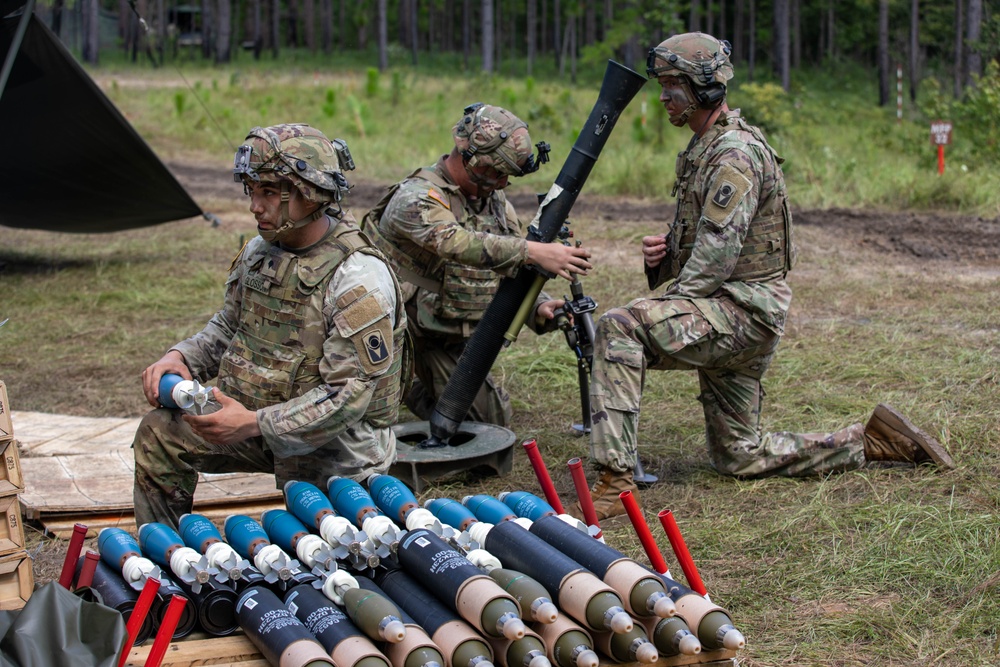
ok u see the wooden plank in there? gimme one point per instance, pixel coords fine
(235, 650)
(44, 434)
(61, 525)
(103, 483)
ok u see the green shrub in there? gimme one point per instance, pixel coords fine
(765, 105)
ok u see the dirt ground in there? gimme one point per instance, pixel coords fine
(955, 244)
(966, 242)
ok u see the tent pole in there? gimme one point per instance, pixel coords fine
(15, 45)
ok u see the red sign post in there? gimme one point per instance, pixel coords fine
(941, 137)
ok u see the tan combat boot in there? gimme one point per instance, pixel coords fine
(889, 436)
(605, 492)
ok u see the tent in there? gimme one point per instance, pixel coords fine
(71, 162)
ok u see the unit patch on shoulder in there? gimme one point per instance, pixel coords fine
(372, 346)
(729, 188)
(437, 196)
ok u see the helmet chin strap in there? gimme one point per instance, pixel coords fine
(682, 119)
(287, 224)
(481, 181)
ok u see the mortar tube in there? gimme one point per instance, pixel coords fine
(531, 596)
(671, 636)
(72, 554)
(110, 589)
(528, 651)
(542, 474)
(579, 476)
(392, 497)
(525, 504)
(460, 584)
(708, 621)
(632, 646)
(642, 531)
(343, 641)
(681, 551)
(643, 592)
(488, 509)
(280, 637)
(574, 589)
(567, 644)
(461, 645)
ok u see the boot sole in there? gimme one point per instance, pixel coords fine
(892, 418)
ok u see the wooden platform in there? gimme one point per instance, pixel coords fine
(80, 470)
(238, 651)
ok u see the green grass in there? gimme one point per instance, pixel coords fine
(883, 566)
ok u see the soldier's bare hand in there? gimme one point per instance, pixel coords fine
(171, 362)
(547, 309)
(562, 260)
(231, 424)
(654, 249)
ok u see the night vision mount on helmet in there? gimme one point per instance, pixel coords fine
(490, 136)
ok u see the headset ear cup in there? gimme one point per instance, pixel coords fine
(710, 95)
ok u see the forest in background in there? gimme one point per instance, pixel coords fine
(900, 39)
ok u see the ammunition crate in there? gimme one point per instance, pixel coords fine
(11, 479)
(6, 426)
(16, 580)
(11, 528)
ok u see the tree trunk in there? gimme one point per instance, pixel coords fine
(383, 35)
(723, 28)
(207, 29)
(258, 29)
(883, 52)
(91, 41)
(531, 33)
(590, 22)
(973, 59)
(223, 32)
(752, 39)
(739, 19)
(831, 31)
(557, 33)
(275, 26)
(498, 35)
(466, 32)
(796, 35)
(326, 19)
(914, 48)
(694, 16)
(957, 87)
(488, 35)
(309, 24)
(293, 24)
(56, 23)
(414, 42)
(781, 49)
(161, 29)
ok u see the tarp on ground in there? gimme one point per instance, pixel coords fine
(71, 162)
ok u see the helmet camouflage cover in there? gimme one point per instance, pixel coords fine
(701, 58)
(489, 136)
(298, 153)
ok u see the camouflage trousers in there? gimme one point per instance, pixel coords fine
(434, 360)
(730, 352)
(169, 456)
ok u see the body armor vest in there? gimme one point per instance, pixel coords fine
(276, 352)
(463, 291)
(767, 249)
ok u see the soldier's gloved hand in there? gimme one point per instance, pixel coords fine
(562, 260)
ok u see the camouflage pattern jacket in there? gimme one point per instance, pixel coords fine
(449, 257)
(731, 237)
(313, 341)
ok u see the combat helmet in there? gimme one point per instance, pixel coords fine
(295, 155)
(702, 59)
(490, 136)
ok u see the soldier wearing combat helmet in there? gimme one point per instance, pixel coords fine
(724, 259)
(450, 234)
(308, 349)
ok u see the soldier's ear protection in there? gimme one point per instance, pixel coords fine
(710, 96)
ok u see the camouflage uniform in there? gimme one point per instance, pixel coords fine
(723, 315)
(309, 339)
(450, 258)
